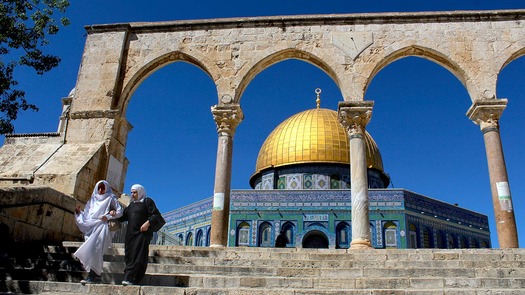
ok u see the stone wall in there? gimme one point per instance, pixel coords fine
(38, 214)
(47, 160)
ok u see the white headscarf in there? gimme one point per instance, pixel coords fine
(108, 192)
(141, 191)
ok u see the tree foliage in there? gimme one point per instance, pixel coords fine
(24, 29)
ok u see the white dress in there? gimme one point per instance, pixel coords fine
(96, 231)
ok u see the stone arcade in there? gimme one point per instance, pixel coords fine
(351, 49)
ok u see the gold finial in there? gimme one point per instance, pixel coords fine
(318, 100)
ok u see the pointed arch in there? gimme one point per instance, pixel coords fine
(265, 235)
(519, 53)
(139, 74)
(423, 52)
(199, 238)
(243, 234)
(290, 231)
(276, 57)
(343, 235)
(189, 239)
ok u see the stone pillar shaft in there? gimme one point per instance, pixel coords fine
(227, 119)
(354, 116)
(486, 114)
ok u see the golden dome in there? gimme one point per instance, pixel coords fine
(312, 136)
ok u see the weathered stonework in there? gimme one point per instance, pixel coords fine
(36, 213)
(352, 49)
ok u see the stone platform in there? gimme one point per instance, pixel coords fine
(291, 271)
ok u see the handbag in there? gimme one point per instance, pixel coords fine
(159, 224)
(114, 225)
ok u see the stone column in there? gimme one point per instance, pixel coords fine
(354, 116)
(486, 114)
(227, 117)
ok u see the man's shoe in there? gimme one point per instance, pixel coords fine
(127, 283)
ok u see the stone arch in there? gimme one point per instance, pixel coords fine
(290, 53)
(139, 74)
(513, 56)
(423, 52)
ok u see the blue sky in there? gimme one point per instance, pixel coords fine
(428, 144)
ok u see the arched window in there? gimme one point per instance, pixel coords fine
(289, 230)
(265, 235)
(180, 239)
(428, 238)
(412, 236)
(463, 242)
(451, 241)
(342, 236)
(441, 240)
(243, 234)
(199, 240)
(473, 243)
(189, 239)
(208, 236)
(390, 233)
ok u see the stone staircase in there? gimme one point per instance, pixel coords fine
(289, 271)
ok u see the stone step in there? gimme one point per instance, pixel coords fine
(325, 272)
(57, 288)
(398, 255)
(344, 260)
(239, 280)
(377, 256)
(201, 270)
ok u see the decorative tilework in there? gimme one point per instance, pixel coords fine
(294, 182)
(334, 183)
(267, 181)
(281, 183)
(390, 202)
(322, 182)
(308, 181)
(379, 235)
(255, 229)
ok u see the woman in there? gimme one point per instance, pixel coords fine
(141, 214)
(93, 223)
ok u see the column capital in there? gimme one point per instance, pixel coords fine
(486, 113)
(227, 117)
(355, 115)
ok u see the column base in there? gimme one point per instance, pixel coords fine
(217, 246)
(360, 244)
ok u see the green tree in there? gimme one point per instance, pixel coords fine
(24, 28)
